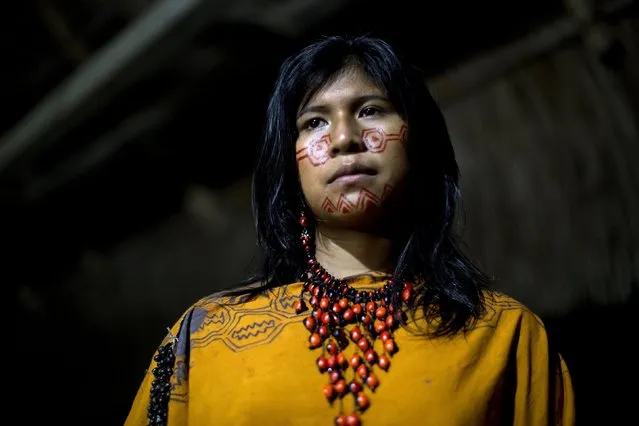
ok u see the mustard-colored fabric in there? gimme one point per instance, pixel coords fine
(248, 363)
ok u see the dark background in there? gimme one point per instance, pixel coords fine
(130, 128)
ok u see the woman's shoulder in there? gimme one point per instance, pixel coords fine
(217, 311)
(502, 310)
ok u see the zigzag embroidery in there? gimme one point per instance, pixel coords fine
(218, 318)
(253, 330)
(288, 301)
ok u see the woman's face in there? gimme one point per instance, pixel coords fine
(350, 151)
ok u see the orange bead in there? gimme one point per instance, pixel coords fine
(348, 315)
(323, 331)
(317, 314)
(340, 420)
(365, 319)
(357, 308)
(379, 326)
(300, 306)
(407, 295)
(356, 334)
(390, 321)
(324, 303)
(372, 381)
(362, 401)
(309, 323)
(370, 356)
(341, 360)
(326, 318)
(315, 341)
(362, 371)
(337, 308)
(313, 301)
(355, 387)
(352, 420)
(332, 362)
(383, 362)
(356, 360)
(331, 347)
(385, 335)
(322, 364)
(334, 376)
(370, 307)
(363, 344)
(340, 387)
(389, 346)
(380, 312)
(343, 303)
(328, 392)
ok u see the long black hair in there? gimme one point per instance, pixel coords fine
(452, 293)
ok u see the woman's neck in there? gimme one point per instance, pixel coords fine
(344, 252)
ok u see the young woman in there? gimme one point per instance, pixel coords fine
(365, 312)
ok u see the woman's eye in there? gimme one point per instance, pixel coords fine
(368, 111)
(313, 123)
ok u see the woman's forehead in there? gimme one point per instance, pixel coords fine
(347, 83)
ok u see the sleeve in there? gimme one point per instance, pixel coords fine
(543, 393)
(177, 408)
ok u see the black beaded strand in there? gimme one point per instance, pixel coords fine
(161, 386)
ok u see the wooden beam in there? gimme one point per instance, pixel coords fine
(461, 81)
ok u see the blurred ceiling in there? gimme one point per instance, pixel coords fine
(114, 107)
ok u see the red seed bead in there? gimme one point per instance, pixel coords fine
(323, 331)
(300, 306)
(343, 303)
(356, 334)
(362, 371)
(348, 315)
(334, 376)
(328, 392)
(357, 308)
(356, 360)
(389, 346)
(331, 347)
(355, 387)
(370, 307)
(340, 420)
(379, 326)
(385, 335)
(309, 323)
(380, 312)
(326, 318)
(322, 364)
(383, 362)
(366, 319)
(340, 387)
(370, 356)
(353, 420)
(317, 314)
(315, 341)
(316, 291)
(337, 308)
(332, 361)
(303, 222)
(313, 301)
(372, 381)
(362, 401)
(341, 360)
(363, 344)
(390, 321)
(324, 303)
(407, 295)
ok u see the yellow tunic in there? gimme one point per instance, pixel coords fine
(248, 363)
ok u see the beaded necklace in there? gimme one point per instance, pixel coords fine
(371, 315)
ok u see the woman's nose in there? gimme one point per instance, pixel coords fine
(346, 138)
